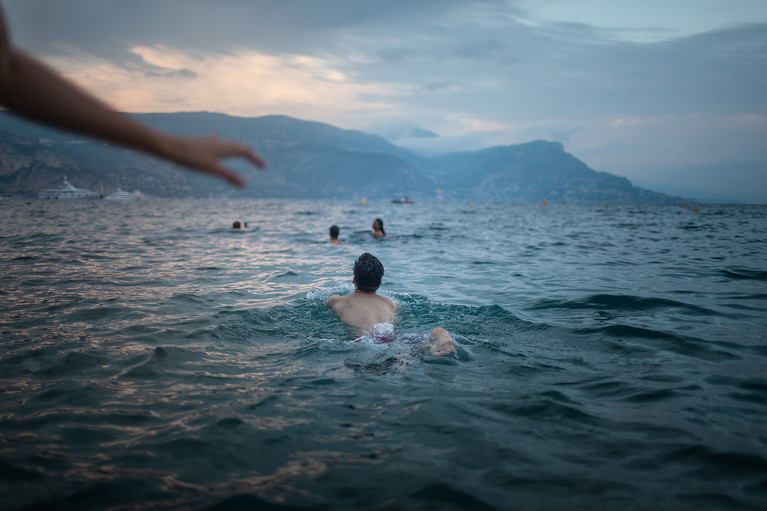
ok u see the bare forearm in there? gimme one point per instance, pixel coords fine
(31, 89)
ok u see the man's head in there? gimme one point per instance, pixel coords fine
(368, 272)
(334, 230)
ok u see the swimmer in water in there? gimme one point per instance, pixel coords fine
(378, 230)
(364, 308)
(334, 231)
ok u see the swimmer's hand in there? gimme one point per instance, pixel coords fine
(205, 155)
(440, 343)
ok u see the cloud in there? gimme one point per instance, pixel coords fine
(172, 73)
(472, 125)
(472, 58)
(108, 27)
(240, 83)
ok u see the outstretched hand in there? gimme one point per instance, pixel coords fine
(30, 88)
(204, 154)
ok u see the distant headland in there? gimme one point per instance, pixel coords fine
(307, 160)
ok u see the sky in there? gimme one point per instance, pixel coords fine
(671, 94)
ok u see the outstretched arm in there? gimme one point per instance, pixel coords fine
(31, 89)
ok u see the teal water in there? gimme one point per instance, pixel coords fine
(609, 357)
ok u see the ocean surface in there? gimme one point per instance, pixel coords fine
(609, 357)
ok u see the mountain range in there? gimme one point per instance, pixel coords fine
(305, 160)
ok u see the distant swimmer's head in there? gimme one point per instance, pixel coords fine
(378, 225)
(236, 224)
(368, 273)
(334, 231)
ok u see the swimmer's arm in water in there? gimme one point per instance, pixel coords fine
(332, 300)
(340, 305)
(31, 89)
(394, 307)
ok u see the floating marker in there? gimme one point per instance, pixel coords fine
(545, 202)
(364, 201)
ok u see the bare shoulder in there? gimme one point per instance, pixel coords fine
(332, 299)
(389, 301)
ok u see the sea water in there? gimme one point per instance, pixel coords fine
(609, 357)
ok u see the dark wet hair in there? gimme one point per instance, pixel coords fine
(334, 230)
(368, 272)
(380, 224)
(236, 224)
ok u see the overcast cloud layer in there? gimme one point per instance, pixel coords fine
(670, 96)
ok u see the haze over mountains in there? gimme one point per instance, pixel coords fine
(306, 160)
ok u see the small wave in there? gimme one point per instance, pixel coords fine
(445, 497)
(620, 303)
(418, 313)
(723, 463)
(651, 396)
(547, 409)
(688, 346)
(288, 273)
(322, 294)
(744, 274)
(187, 298)
(99, 312)
(751, 391)
(16, 474)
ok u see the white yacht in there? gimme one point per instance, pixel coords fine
(68, 191)
(121, 194)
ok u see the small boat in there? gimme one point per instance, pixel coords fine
(402, 200)
(121, 194)
(68, 191)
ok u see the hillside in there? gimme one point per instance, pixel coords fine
(306, 160)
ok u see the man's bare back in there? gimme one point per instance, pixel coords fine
(363, 310)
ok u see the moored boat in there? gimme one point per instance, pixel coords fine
(121, 194)
(68, 191)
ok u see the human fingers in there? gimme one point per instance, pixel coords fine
(234, 149)
(228, 175)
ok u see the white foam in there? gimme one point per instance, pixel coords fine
(322, 294)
